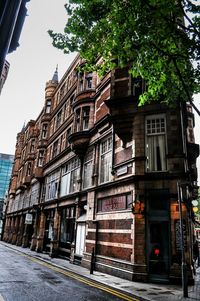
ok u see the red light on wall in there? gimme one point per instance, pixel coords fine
(156, 252)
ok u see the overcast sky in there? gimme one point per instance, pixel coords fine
(31, 66)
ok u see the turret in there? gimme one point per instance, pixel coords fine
(51, 85)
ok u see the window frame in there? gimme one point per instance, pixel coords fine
(44, 130)
(55, 148)
(153, 130)
(69, 177)
(48, 106)
(41, 158)
(58, 119)
(88, 173)
(107, 154)
(85, 118)
(51, 186)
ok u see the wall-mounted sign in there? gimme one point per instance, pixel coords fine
(178, 235)
(122, 170)
(29, 218)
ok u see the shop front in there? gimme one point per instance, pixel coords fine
(67, 228)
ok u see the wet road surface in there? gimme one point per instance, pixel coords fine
(26, 279)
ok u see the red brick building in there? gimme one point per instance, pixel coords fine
(96, 174)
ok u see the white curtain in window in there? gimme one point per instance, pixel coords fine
(106, 164)
(74, 180)
(87, 174)
(65, 184)
(156, 153)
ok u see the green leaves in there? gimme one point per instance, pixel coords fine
(150, 36)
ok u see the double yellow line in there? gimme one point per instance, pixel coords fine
(82, 279)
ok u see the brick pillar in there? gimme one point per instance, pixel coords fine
(16, 225)
(56, 233)
(6, 229)
(40, 237)
(11, 230)
(139, 257)
(20, 231)
(35, 229)
(73, 244)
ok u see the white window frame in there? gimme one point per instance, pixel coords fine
(70, 176)
(52, 186)
(105, 167)
(156, 134)
(88, 168)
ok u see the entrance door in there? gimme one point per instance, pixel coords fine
(48, 235)
(80, 239)
(158, 250)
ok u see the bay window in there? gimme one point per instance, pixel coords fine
(48, 106)
(78, 116)
(82, 119)
(89, 81)
(86, 116)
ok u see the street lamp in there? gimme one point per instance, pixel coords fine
(183, 264)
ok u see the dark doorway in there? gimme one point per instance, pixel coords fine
(158, 250)
(48, 234)
(158, 234)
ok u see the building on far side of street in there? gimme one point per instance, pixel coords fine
(95, 178)
(12, 16)
(4, 74)
(6, 164)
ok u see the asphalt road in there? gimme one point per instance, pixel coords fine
(26, 279)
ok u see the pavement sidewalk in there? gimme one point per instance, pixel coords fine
(146, 291)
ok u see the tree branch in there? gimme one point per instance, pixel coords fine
(188, 19)
(185, 87)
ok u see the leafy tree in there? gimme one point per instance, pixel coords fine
(158, 39)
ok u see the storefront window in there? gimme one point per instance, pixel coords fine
(67, 226)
